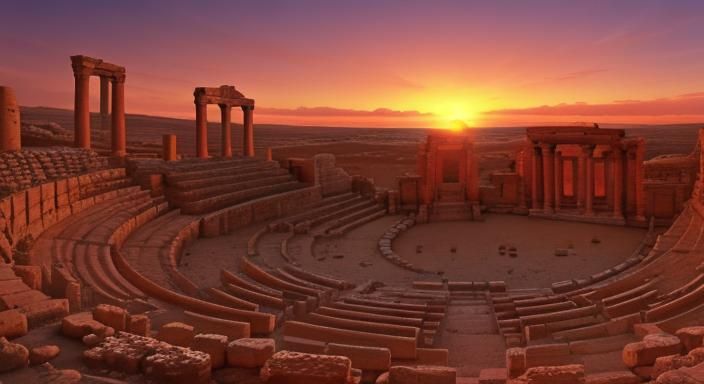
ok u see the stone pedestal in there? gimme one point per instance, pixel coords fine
(169, 144)
(10, 134)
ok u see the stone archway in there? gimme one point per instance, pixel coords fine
(226, 97)
(110, 75)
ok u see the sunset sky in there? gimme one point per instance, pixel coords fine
(373, 63)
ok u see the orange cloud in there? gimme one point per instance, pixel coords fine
(682, 105)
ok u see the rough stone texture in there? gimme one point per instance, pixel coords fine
(30, 274)
(139, 325)
(563, 374)
(302, 368)
(693, 375)
(382, 379)
(178, 366)
(619, 377)
(13, 323)
(691, 337)
(650, 348)
(91, 340)
(364, 358)
(40, 355)
(213, 345)
(158, 361)
(81, 324)
(33, 166)
(51, 375)
(493, 376)
(672, 362)
(250, 352)
(422, 374)
(12, 355)
(9, 120)
(515, 361)
(176, 334)
(111, 316)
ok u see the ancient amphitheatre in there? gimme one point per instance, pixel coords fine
(576, 259)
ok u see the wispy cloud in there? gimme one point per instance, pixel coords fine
(339, 112)
(687, 104)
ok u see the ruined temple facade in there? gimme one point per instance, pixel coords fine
(584, 173)
(571, 173)
(446, 186)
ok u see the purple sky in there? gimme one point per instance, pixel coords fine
(441, 60)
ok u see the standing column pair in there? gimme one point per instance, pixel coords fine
(82, 110)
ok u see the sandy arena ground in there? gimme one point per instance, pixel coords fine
(477, 257)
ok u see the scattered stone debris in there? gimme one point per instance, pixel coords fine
(419, 248)
(596, 240)
(453, 249)
(42, 354)
(365, 264)
(386, 249)
(562, 252)
(338, 256)
(12, 356)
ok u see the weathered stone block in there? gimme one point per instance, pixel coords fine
(42, 354)
(650, 348)
(213, 345)
(691, 337)
(139, 325)
(13, 323)
(176, 334)
(287, 367)
(563, 374)
(81, 324)
(111, 316)
(12, 356)
(250, 352)
(422, 374)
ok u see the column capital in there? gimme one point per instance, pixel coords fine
(547, 147)
(588, 149)
(225, 106)
(82, 72)
(247, 107)
(118, 78)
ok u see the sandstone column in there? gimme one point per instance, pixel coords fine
(548, 151)
(119, 136)
(618, 181)
(248, 128)
(226, 139)
(201, 129)
(10, 133)
(581, 177)
(589, 180)
(81, 111)
(558, 179)
(104, 102)
(640, 195)
(535, 183)
(169, 146)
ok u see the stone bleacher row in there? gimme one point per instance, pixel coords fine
(663, 288)
(201, 187)
(332, 216)
(44, 211)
